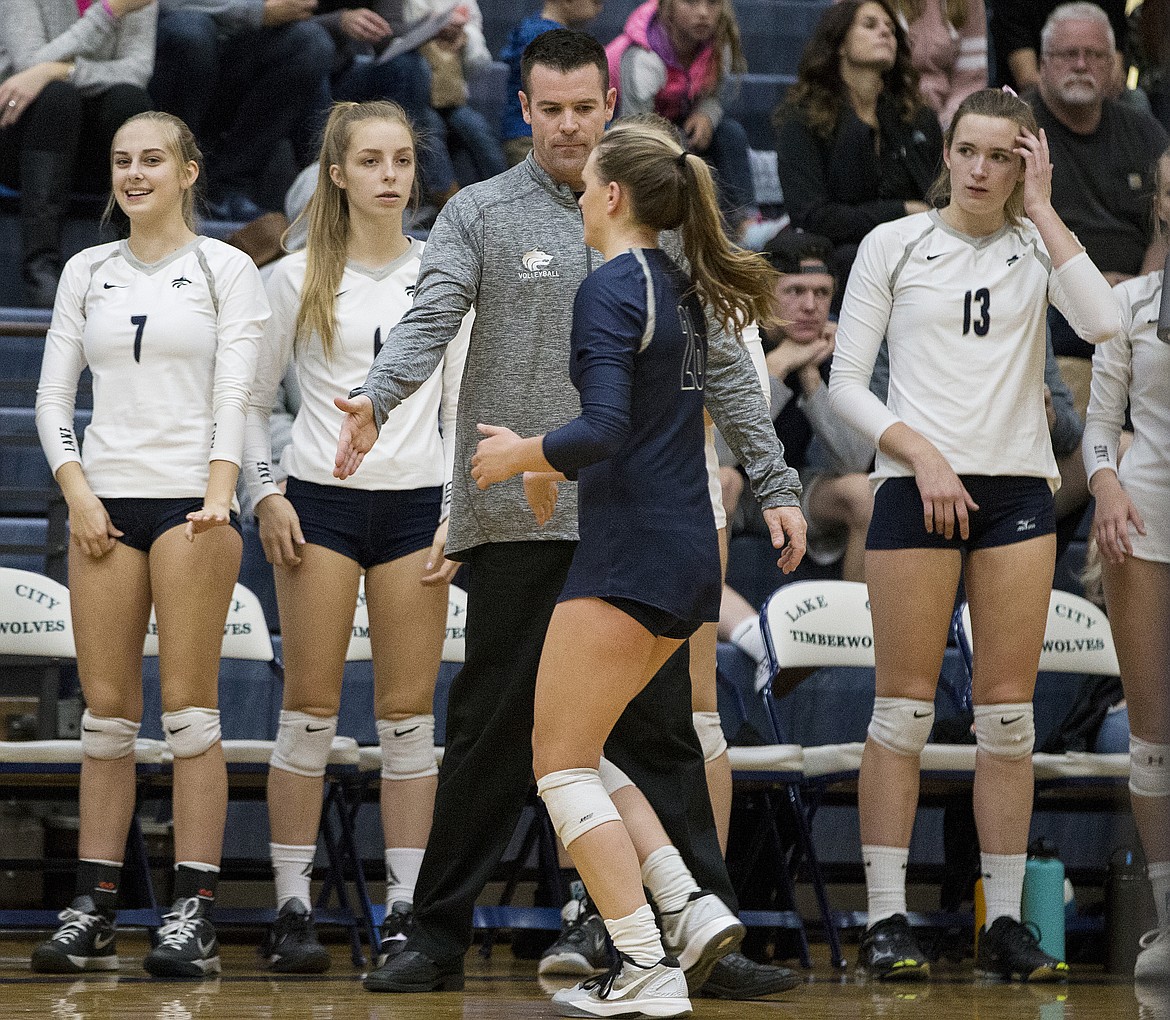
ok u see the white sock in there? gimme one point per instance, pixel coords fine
(637, 936)
(1159, 872)
(402, 864)
(748, 636)
(885, 881)
(292, 868)
(1003, 885)
(668, 879)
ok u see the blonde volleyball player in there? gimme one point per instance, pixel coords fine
(646, 571)
(332, 304)
(169, 324)
(1132, 526)
(966, 475)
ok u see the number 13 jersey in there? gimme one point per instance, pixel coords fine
(964, 319)
(172, 347)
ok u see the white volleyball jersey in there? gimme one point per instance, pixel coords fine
(1134, 368)
(172, 347)
(416, 445)
(964, 319)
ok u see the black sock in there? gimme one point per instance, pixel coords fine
(195, 882)
(99, 880)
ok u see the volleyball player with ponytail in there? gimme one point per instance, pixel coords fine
(646, 572)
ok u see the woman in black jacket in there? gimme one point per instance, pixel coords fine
(856, 145)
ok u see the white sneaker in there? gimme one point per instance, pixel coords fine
(628, 990)
(699, 935)
(1153, 962)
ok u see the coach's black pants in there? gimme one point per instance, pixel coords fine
(487, 766)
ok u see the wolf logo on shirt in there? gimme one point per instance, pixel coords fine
(535, 265)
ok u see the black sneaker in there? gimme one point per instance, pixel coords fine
(187, 946)
(396, 929)
(1010, 949)
(737, 977)
(890, 952)
(291, 945)
(85, 941)
(583, 947)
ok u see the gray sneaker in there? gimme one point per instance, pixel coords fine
(85, 941)
(699, 935)
(628, 989)
(583, 947)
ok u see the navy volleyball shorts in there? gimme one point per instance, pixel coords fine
(142, 521)
(659, 622)
(369, 526)
(1012, 508)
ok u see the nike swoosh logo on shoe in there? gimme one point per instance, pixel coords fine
(101, 941)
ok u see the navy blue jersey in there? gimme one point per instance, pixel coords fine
(638, 357)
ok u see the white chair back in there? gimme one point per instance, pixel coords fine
(818, 623)
(34, 616)
(1077, 638)
(360, 650)
(245, 633)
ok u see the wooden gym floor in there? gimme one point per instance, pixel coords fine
(504, 988)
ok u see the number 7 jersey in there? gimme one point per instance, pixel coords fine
(965, 320)
(172, 347)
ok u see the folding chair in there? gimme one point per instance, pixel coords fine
(36, 629)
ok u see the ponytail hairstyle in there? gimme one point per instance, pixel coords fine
(986, 103)
(670, 189)
(327, 215)
(725, 43)
(180, 145)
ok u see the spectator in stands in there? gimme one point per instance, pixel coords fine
(673, 58)
(966, 474)
(1132, 528)
(1104, 152)
(855, 144)
(244, 75)
(317, 533)
(456, 54)
(948, 49)
(1015, 30)
(169, 323)
(515, 130)
(833, 458)
(73, 78)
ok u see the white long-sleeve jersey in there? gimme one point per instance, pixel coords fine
(172, 347)
(1134, 368)
(964, 319)
(416, 445)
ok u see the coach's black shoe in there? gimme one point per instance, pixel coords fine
(890, 952)
(412, 971)
(1010, 949)
(85, 941)
(396, 929)
(187, 946)
(737, 977)
(291, 946)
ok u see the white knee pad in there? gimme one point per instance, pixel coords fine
(576, 801)
(901, 725)
(408, 747)
(303, 743)
(612, 778)
(1149, 768)
(1005, 731)
(107, 738)
(709, 730)
(191, 731)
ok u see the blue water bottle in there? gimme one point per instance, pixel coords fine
(1043, 903)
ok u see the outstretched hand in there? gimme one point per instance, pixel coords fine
(358, 434)
(210, 515)
(492, 461)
